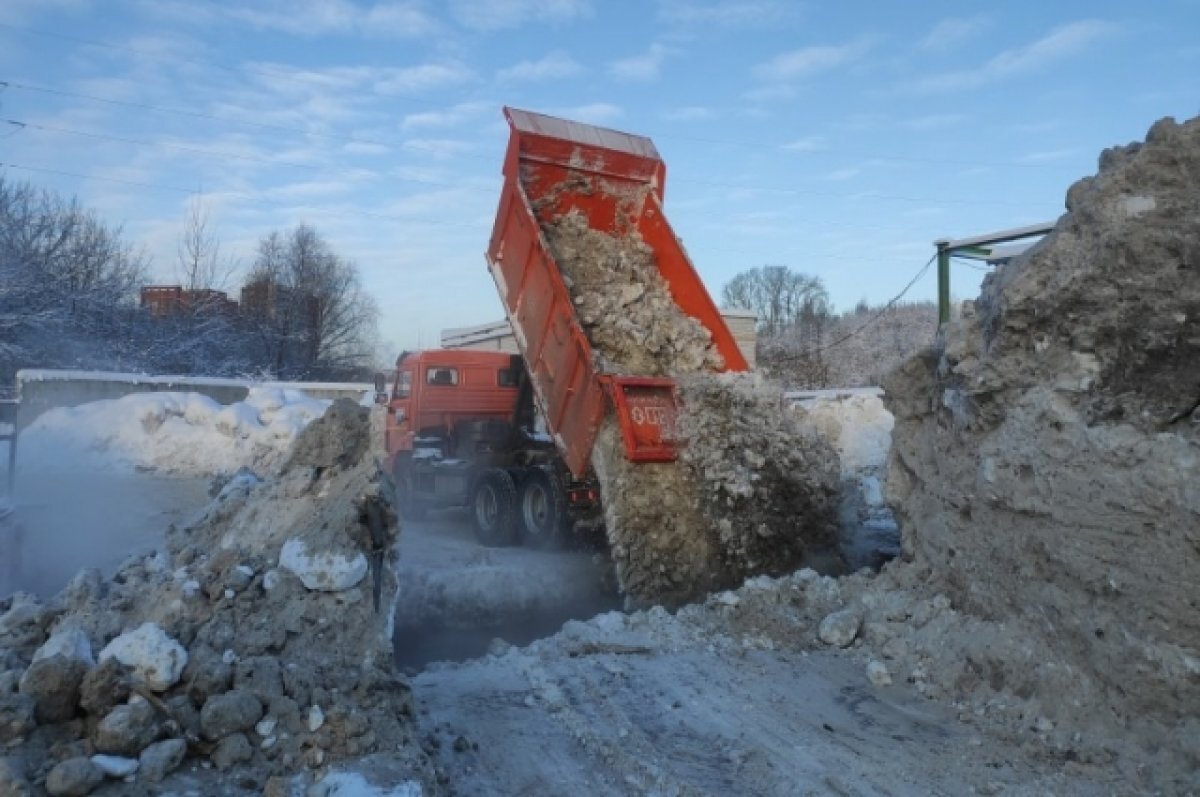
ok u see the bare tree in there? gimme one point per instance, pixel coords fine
(779, 296)
(198, 252)
(308, 307)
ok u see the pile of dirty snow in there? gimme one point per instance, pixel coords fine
(253, 655)
(186, 434)
(755, 493)
(1046, 462)
(624, 304)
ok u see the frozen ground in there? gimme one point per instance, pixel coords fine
(457, 596)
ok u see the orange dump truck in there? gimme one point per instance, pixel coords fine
(550, 169)
(461, 425)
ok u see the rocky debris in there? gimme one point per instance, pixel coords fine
(236, 710)
(154, 657)
(767, 485)
(751, 492)
(128, 729)
(161, 759)
(327, 571)
(16, 716)
(114, 766)
(74, 777)
(877, 673)
(13, 781)
(624, 304)
(211, 654)
(840, 628)
(1046, 462)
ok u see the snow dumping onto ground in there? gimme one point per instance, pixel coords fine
(255, 648)
(1046, 465)
(752, 494)
(186, 434)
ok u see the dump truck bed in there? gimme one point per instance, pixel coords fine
(552, 168)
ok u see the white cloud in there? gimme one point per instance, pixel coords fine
(1061, 43)
(806, 144)
(595, 113)
(644, 67)
(486, 15)
(808, 61)
(447, 117)
(1048, 156)
(325, 17)
(952, 31)
(727, 13)
(423, 77)
(688, 113)
(934, 121)
(552, 66)
(844, 174)
(438, 148)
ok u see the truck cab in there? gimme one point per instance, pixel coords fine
(461, 430)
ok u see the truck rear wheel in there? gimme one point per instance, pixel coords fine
(494, 508)
(542, 510)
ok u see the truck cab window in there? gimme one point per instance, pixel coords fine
(442, 376)
(507, 377)
(403, 384)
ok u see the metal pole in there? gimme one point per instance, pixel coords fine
(943, 258)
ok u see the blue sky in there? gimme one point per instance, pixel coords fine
(838, 139)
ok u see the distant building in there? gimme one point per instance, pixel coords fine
(498, 336)
(165, 301)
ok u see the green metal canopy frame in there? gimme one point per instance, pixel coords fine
(979, 247)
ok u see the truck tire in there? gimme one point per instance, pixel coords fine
(494, 508)
(542, 509)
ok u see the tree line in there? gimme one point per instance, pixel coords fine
(804, 343)
(69, 298)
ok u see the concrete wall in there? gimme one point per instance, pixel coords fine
(41, 390)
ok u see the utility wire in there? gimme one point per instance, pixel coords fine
(217, 154)
(870, 321)
(258, 198)
(227, 120)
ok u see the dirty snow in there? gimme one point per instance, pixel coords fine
(186, 434)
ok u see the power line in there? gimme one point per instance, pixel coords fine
(245, 196)
(869, 322)
(237, 70)
(225, 119)
(214, 153)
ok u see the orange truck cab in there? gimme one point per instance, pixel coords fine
(461, 430)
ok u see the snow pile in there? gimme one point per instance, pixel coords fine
(752, 495)
(177, 433)
(1046, 456)
(218, 660)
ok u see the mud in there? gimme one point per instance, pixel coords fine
(1046, 466)
(272, 668)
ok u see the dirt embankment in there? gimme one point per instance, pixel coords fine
(1046, 459)
(751, 493)
(253, 656)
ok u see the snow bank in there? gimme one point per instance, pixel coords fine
(178, 433)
